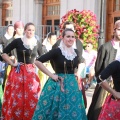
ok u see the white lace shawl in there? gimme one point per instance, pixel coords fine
(68, 52)
(29, 43)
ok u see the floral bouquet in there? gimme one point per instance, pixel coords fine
(85, 24)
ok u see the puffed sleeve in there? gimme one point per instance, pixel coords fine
(11, 46)
(110, 70)
(49, 55)
(39, 48)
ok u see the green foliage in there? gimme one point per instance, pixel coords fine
(85, 24)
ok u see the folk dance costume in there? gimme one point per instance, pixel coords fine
(61, 100)
(111, 107)
(23, 85)
(108, 50)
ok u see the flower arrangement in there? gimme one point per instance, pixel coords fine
(85, 25)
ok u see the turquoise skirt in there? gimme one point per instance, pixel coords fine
(54, 104)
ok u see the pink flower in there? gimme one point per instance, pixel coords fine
(86, 25)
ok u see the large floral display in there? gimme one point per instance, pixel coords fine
(86, 25)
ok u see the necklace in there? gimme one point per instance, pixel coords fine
(24, 56)
(30, 52)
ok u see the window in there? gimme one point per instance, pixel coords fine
(6, 23)
(10, 22)
(53, 10)
(56, 27)
(117, 5)
(48, 27)
(9, 13)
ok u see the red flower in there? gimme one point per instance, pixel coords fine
(85, 24)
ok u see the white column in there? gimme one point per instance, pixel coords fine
(38, 12)
(16, 10)
(29, 11)
(38, 17)
(23, 10)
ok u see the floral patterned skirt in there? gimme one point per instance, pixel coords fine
(110, 109)
(54, 104)
(21, 94)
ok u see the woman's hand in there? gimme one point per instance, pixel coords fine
(14, 64)
(13, 59)
(77, 76)
(116, 95)
(54, 77)
(78, 80)
(106, 86)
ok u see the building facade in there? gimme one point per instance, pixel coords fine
(48, 12)
(7, 12)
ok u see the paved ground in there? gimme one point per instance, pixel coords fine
(89, 94)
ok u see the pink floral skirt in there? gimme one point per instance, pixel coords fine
(110, 109)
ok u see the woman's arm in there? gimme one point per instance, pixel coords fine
(45, 70)
(39, 49)
(106, 86)
(7, 59)
(111, 70)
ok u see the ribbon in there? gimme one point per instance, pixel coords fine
(18, 68)
(61, 83)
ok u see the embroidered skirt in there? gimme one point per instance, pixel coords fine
(110, 109)
(54, 104)
(21, 94)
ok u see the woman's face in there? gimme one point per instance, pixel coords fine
(10, 30)
(117, 34)
(20, 31)
(69, 38)
(53, 39)
(30, 31)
